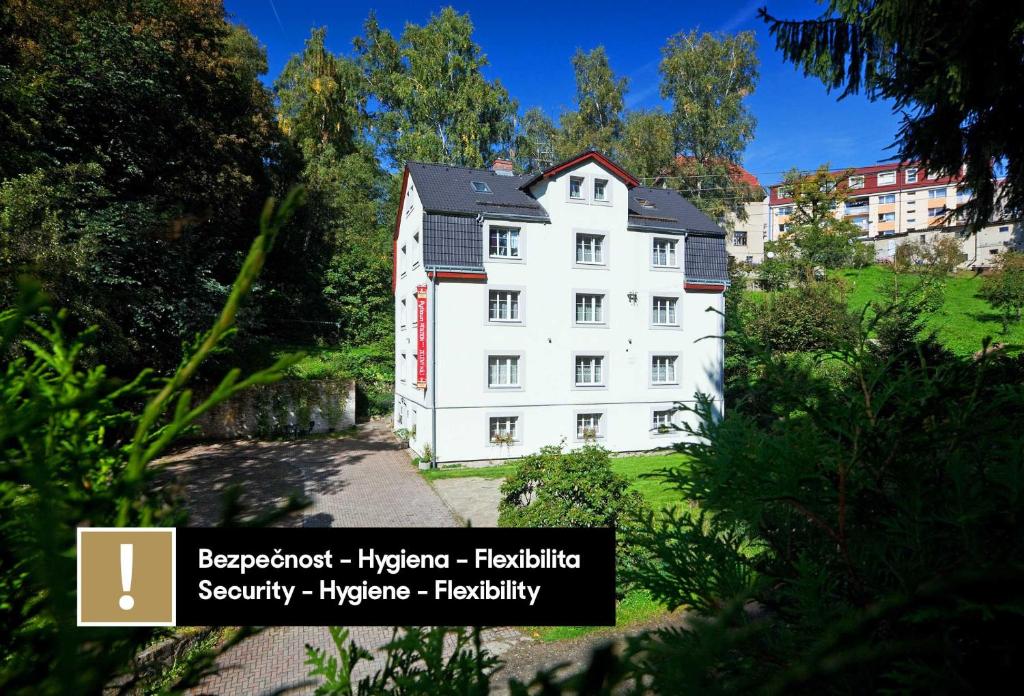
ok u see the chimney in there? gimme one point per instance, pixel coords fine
(502, 167)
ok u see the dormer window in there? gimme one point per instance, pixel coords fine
(856, 182)
(480, 187)
(576, 187)
(600, 189)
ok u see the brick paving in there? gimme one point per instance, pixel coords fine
(363, 481)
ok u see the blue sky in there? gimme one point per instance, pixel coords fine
(529, 46)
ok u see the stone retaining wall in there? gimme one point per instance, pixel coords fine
(284, 409)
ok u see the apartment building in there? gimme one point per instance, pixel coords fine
(883, 199)
(565, 306)
(745, 240)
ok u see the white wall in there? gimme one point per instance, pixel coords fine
(547, 338)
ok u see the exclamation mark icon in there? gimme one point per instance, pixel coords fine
(126, 602)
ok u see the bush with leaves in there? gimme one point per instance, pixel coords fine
(864, 539)
(447, 661)
(810, 316)
(578, 488)
(75, 452)
(1004, 289)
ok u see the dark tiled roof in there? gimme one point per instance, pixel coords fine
(447, 189)
(670, 212)
(706, 260)
(452, 242)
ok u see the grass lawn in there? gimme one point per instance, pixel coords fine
(960, 324)
(636, 606)
(632, 467)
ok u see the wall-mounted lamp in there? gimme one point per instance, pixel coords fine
(632, 297)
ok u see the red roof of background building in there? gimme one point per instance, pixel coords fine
(870, 174)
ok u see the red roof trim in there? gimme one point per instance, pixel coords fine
(398, 221)
(871, 186)
(704, 287)
(615, 169)
(457, 275)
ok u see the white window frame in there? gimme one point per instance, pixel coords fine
(676, 359)
(508, 355)
(607, 200)
(590, 386)
(520, 291)
(603, 237)
(890, 175)
(936, 193)
(942, 211)
(856, 181)
(677, 307)
(672, 257)
(603, 294)
(582, 198)
(521, 244)
(504, 415)
(882, 199)
(882, 217)
(653, 426)
(910, 176)
(602, 423)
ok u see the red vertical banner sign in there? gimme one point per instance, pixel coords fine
(421, 336)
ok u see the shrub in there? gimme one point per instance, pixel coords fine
(73, 452)
(867, 538)
(1004, 289)
(554, 488)
(808, 317)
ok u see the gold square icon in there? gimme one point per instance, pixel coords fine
(126, 576)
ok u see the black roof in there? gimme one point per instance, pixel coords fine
(670, 211)
(449, 189)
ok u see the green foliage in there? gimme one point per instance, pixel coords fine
(600, 98)
(647, 148)
(578, 488)
(935, 66)
(864, 536)
(780, 265)
(135, 150)
(444, 661)
(336, 671)
(433, 103)
(822, 239)
(960, 322)
(876, 524)
(707, 78)
(371, 366)
(807, 317)
(74, 453)
(1004, 289)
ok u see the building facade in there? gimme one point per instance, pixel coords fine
(745, 239)
(562, 307)
(884, 199)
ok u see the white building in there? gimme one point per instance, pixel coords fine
(563, 306)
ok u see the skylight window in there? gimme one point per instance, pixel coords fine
(645, 203)
(480, 187)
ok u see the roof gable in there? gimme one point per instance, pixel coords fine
(586, 156)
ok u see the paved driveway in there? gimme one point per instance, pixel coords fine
(364, 481)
